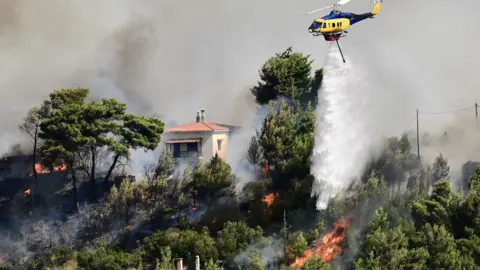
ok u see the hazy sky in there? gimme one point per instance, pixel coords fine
(175, 57)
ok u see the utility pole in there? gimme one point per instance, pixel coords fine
(285, 234)
(476, 112)
(418, 137)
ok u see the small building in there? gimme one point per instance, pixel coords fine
(198, 140)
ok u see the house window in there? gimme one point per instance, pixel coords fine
(185, 150)
(219, 145)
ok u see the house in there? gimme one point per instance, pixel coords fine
(198, 140)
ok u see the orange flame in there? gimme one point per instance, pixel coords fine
(270, 198)
(127, 228)
(330, 247)
(42, 170)
(265, 169)
(27, 192)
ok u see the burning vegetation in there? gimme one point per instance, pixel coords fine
(39, 169)
(270, 198)
(165, 226)
(331, 245)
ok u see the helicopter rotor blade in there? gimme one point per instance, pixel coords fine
(339, 3)
(317, 10)
(343, 2)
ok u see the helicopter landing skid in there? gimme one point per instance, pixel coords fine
(333, 37)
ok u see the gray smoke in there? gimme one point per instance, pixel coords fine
(161, 57)
(171, 58)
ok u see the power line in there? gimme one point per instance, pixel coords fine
(447, 112)
(409, 123)
(475, 107)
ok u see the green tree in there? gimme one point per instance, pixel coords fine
(300, 246)
(441, 247)
(103, 258)
(165, 166)
(61, 134)
(76, 131)
(31, 126)
(256, 262)
(236, 237)
(184, 244)
(435, 209)
(286, 74)
(468, 169)
(277, 137)
(317, 231)
(123, 200)
(404, 144)
(254, 154)
(212, 265)
(474, 181)
(213, 180)
(315, 263)
(441, 169)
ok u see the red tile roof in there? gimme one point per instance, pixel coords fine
(184, 141)
(198, 127)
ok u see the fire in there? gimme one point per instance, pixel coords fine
(265, 169)
(127, 228)
(27, 192)
(270, 198)
(330, 247)
(42, 170)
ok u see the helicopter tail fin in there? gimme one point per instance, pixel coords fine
(377, 7)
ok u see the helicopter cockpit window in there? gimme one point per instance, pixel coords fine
(316, 24)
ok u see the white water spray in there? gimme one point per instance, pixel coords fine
(341, 141)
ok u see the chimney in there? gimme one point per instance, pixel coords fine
(198, 116)
(197, 262)
(180, 264)
(202, 115)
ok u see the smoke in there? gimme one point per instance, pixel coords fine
(27, 236)
(160, 57)
(428, 69)
(269, 249)
(240, 142)
(457, 140)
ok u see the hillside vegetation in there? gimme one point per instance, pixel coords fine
(401, 215)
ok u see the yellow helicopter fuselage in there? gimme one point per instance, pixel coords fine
(331, 25)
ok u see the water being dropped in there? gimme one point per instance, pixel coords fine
(340, 141)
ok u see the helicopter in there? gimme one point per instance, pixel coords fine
(334, 25)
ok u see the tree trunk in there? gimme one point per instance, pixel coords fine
(110, 170)
(74, 190)
(35, 174)
(92, 173)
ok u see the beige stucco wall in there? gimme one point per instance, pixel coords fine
(220, 136)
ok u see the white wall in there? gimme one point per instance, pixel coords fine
(222, 135)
